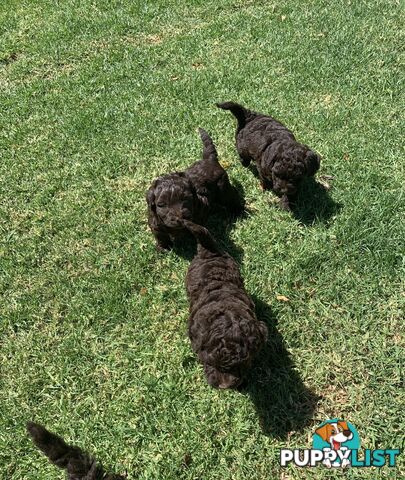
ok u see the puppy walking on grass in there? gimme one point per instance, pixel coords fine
(189, 195)
(78, 464)
(223, 328)
(281, 161)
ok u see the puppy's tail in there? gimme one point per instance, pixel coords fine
(79, 465)
(202, 235)
(242, 114)
(209, 150)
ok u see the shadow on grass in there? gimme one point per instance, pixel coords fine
(313, 204)
(283, 403)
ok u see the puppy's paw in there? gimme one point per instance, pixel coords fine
(325, 181)
(285, 203)
(163, 248)
(265, 184)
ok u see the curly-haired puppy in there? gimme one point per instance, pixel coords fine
(189, 195)
(281, 161)
(78, 464)
(223, 328)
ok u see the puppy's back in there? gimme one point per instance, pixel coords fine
(205, 173)
(211, 269)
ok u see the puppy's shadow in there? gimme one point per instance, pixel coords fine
(185, 247)
(221, 223)
(282, 401)
(314, 204)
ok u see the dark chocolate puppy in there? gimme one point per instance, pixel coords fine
(189, 195)
(223, 328)
(281, 161)
(78, 464)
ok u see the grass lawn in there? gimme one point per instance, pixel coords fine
(99, 97)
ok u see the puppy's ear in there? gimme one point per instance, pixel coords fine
(264, 331)
(203, 356)
(151, 198)
(325, 432)
(312, 163)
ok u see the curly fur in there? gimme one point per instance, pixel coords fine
(223, 328)
(189, 195)
(281, 161)
(78, 464)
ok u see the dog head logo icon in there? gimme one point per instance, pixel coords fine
(336, 435)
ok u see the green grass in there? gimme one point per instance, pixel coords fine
(97, 99)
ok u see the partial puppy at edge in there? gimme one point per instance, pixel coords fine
(77, 463)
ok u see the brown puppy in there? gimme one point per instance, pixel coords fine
(281, 161)
(189, 195)
(78, 464)
(223, 328)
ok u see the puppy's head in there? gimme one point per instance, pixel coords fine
(338, 432)
(293, 164)
(224, 380)
(171, 199)
(229, 353)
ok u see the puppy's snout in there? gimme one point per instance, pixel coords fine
(229, 381)
(182, 213)
(225, 386)
(173, 220)
(289, 189)
(179, 214)
(347, 433)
